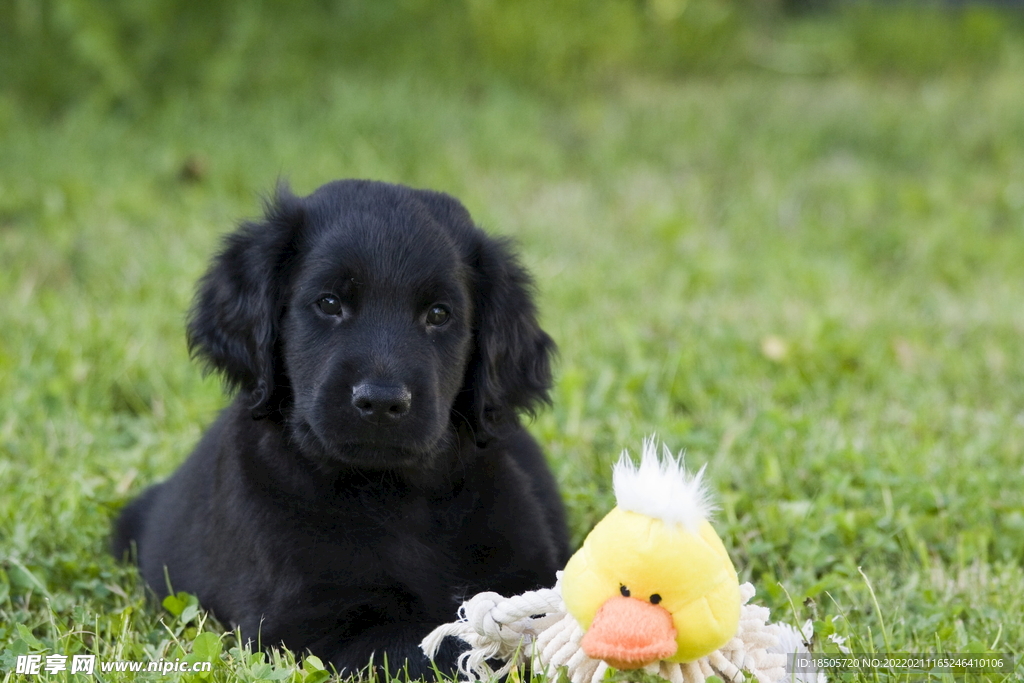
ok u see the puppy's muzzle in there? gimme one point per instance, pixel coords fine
(381, 404)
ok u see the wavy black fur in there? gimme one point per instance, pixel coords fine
(371, 471)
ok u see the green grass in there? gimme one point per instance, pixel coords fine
(811, 284)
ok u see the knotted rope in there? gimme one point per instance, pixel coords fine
(535, 628)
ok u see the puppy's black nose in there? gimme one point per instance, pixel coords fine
(381, 403)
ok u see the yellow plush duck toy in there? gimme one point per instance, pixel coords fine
(652, 587)
(653, 580)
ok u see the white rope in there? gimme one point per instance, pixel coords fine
(535, 627)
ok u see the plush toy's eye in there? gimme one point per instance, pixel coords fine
(438, 315)
(329, 304)
(624, 591)
(655, 599)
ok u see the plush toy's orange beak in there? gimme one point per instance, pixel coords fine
(629, 633)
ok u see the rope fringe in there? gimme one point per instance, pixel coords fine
(535, 628)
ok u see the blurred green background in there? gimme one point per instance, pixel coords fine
(131, 56)
(785, 236)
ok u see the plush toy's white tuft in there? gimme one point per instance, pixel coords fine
(661, 488)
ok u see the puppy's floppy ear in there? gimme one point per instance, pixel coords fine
(233, 323)
(511, 367)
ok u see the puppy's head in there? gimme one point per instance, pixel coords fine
(368, 319)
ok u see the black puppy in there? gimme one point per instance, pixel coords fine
(371, 472)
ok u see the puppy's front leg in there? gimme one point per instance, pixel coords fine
(395, 648)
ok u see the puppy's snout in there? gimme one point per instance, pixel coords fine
(381, 403)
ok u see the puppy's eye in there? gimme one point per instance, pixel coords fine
(329, 304)
(438, 315)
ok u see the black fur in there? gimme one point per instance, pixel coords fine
(371, 473)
